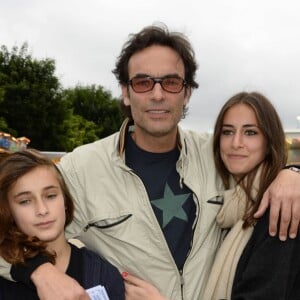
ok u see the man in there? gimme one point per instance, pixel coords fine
(146, 197)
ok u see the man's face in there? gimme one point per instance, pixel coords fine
(156, 113)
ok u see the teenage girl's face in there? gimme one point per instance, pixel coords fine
(242, 144)
(37, 205)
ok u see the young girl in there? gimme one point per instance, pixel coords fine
(35, 207)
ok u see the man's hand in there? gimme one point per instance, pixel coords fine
(283, 196)
(136, 289)
(53, 284)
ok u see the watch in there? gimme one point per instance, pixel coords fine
(295, 168)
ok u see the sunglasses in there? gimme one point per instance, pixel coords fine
(171, 84)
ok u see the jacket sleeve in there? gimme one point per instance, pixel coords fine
(5, 269)
(268, 267)
(23, 273)
(69, 171)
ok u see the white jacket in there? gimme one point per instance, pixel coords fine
(114, 217)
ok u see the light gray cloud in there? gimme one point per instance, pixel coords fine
(240, 45)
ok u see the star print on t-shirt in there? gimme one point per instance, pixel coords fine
(171, 205)
(172, 200)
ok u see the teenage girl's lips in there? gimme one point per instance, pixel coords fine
(236, 156)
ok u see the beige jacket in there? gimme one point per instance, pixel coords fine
(114, 217)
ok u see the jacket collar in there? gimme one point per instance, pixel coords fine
(129, 122)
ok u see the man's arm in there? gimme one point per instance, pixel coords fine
(283, 196)
(53, 284)
(49, 281)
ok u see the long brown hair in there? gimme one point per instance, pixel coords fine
(15, 246)
(276, 154)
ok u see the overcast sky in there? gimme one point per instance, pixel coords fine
(240, 45)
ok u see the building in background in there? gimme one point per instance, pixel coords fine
(293, 141)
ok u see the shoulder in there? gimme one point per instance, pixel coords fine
(85, 155)
(263, 248)
(268, 268)
(196, 142)
(84, 150)
(260, 235)
(194, 135)
(96, 270)
(92, 259)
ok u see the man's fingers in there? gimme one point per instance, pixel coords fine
(132, 279)
(274, 218)
(263, 205)
(294, 226)
(285, 219)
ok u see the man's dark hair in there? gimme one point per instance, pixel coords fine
(156, 35)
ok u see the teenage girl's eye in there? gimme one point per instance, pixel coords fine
(250, 132)
(52, 196)
(227, 132)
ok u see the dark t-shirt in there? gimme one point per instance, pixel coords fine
(86, 267)
(171, 200)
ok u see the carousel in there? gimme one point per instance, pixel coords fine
(9, 143)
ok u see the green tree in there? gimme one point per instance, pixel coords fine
(78, 131)
(97, 105)
(3, 124)
(31, 102)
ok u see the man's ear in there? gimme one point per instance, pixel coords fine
(125, 95)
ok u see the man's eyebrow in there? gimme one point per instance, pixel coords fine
(147, 75)
(141, 75)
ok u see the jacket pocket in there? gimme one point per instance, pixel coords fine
(218, 200)
(108, 222)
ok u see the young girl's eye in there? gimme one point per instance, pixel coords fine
(24, 201)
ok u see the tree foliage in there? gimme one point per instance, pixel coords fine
(34, 104)
(95, 104)
(31, 104)
(78, 131)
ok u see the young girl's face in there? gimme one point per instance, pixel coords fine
(37, 204)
